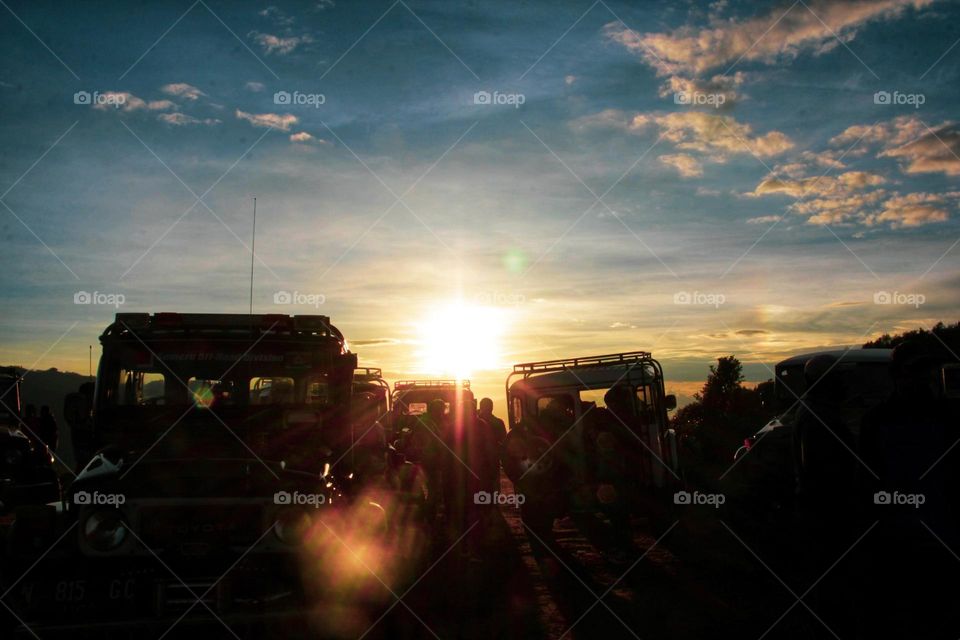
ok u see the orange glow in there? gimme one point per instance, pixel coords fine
(459, 338)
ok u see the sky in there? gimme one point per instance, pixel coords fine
(686, 178)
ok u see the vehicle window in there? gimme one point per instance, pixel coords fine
(416, 408)
(206, 392)
(138, 388)
(646, 400)
(266, 391)
(517, 409)
(556, 413)
(318, 391)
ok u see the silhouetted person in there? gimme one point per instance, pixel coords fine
(426, 447)
(482, 456)
(496, 425)
(47, 428)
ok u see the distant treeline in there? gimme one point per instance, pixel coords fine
(48, 387)
(940, 337)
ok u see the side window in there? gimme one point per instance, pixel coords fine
(139, 388)
(556, 411)
(271, 391)
(645, 400)
(516, 409)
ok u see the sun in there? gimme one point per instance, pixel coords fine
(458, 338)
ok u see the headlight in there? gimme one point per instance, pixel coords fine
(104, 529)
(292, 525)
(13, 456)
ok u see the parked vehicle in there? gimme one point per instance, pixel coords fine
(208, 469)
(27, 473)
(588, 433)
(765, 462)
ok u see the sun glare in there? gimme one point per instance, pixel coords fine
(458, 339)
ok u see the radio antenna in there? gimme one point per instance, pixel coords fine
(253, 251)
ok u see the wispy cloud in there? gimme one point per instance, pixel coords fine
(126, 101)
(686, 165)
(281, 45)
(182, 119)
(183, 90)
(275, 120)
(767, 38)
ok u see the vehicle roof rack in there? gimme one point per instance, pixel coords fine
(627, 357)
(426, 384)
(166, 324)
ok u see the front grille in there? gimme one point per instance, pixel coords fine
(199, 529)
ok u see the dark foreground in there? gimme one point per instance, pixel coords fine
(695, 573)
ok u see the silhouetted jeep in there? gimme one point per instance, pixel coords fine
(205, 494)
(588, 434)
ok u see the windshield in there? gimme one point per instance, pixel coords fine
(225, 379)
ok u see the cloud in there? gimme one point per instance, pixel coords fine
(819, 185)
(278, 44)
(855, 197)
(302, 137)
(256, 87)
(921, 149)
(181, 119)
(715, 136)
(126, 101)
(275, 120)
(934, 151)
(686, 165)
(182, 89)
(764, 219)
(912, 210)
(893, 132)
(713, 88)
(765, 38)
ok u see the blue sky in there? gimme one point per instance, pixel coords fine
(735, 155)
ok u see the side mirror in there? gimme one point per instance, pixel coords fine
(671, 402)
(76, 409)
